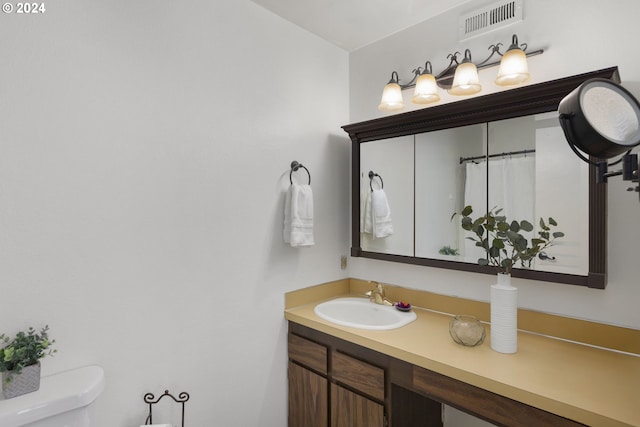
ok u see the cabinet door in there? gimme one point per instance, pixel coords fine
(349, 409)
(308, 398)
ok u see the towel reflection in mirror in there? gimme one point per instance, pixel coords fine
(377, 214)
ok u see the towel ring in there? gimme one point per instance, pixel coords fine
(372, 175)
(294, 168)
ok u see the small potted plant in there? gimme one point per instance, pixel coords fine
(448, 250)
(20, 360)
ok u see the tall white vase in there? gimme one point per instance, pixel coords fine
(504, 315)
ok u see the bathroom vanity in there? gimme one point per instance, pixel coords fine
(567, 372)
(341, 376)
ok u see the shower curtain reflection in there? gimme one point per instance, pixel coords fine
(511, 188)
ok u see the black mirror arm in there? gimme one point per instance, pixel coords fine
(565, 123)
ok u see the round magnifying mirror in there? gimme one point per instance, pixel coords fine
(601, 118)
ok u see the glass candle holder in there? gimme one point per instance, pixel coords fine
(467, 330)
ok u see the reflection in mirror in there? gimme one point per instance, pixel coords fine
(392, 159)
(488, 166)
(560, 187)
(525, 189)
(442, 188)
(512, 175)
(559, 169)
(542, 179)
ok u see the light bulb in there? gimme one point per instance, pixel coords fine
(465, 80)
(513, 66)
(426, 90)
(392, 95)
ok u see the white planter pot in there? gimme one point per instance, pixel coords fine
(25, 382)
(504, 315)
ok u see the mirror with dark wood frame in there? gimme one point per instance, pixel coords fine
(414, 135)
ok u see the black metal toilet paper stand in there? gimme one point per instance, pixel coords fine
(151, 400)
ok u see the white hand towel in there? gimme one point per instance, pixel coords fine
(366, 223)
(381, 214)
(299, 205)
(286, 233)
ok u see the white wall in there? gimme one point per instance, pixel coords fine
(144, 150)
(578, 36)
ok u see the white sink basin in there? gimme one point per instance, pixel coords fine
(363, 314)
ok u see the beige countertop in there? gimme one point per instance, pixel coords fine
(594, 386)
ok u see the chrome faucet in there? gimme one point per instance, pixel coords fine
(377, 295)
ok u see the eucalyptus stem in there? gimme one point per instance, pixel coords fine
(502, 239)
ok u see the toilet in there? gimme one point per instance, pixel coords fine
(64, 399)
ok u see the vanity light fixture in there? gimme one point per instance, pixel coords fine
(426, 90)
(601, 119)
(513, 65)
(459, 78)
(392, 95)
(466, 80)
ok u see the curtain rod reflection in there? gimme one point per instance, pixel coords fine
(510, 153)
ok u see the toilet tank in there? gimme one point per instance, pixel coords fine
(64, 399)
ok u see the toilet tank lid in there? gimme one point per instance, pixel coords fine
(58, 393)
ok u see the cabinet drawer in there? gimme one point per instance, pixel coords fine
(360, 375)
(308, 353)
(483, 403)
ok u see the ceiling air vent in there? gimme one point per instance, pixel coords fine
(489, 18)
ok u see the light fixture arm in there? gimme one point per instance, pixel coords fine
(447, 73)
(416, 73)
(629, 171)
(427, 68)
(494, 48)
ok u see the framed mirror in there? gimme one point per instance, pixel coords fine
(505, 150)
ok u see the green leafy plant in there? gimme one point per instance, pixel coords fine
(448, 250)
(502, 240)
(23, 350)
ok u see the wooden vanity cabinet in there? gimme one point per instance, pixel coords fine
(336, 383)
(320, 373)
